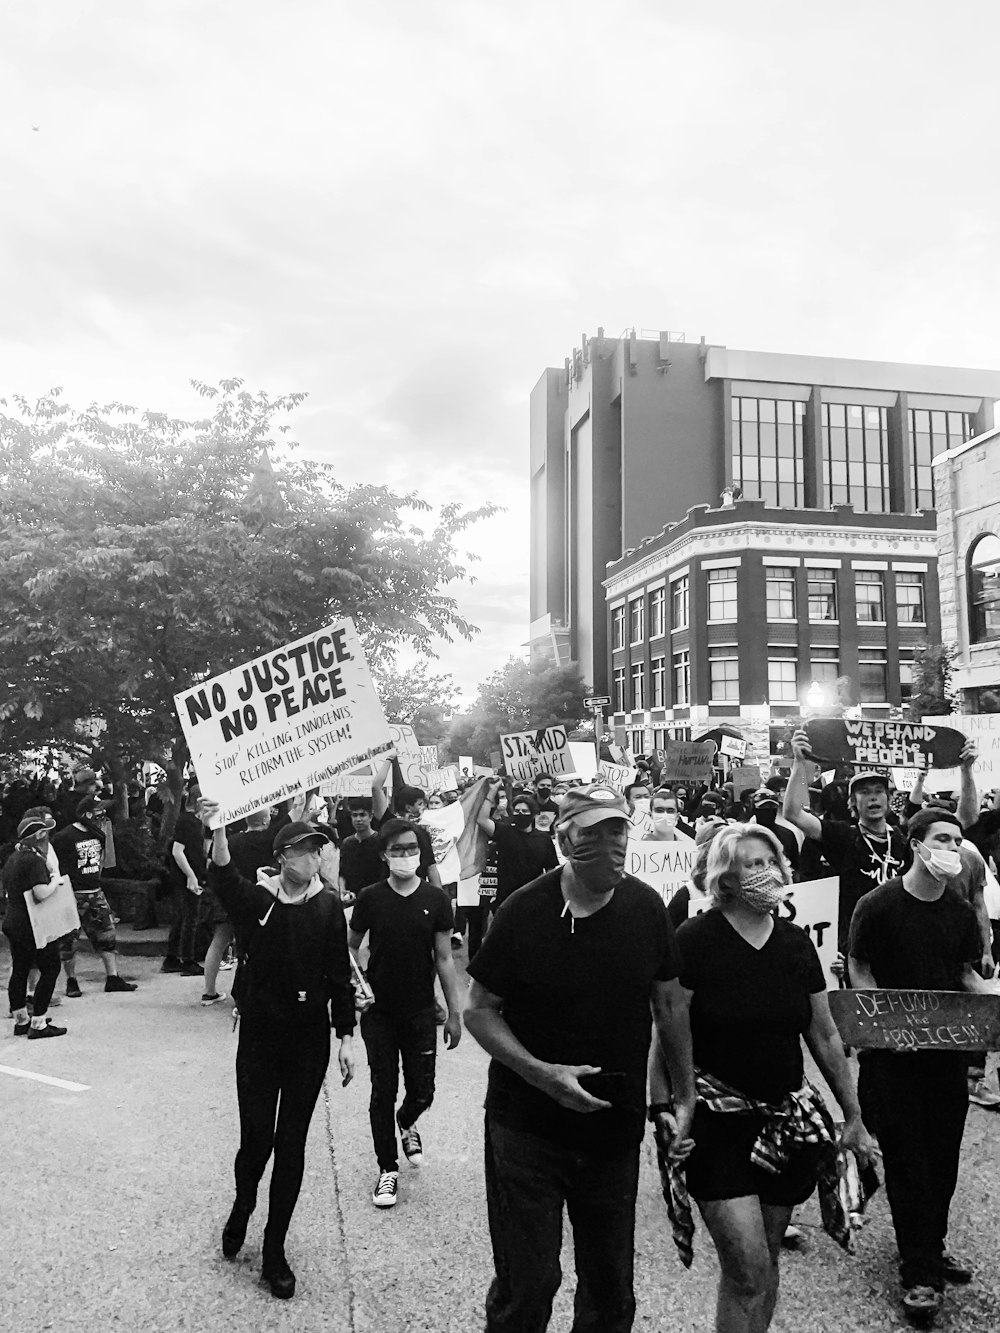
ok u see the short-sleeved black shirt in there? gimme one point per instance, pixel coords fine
(81, 856)
(22, 870)
(361, 862)
(862, 862)
(190, 831)
(401, 934)
(250, 851)
(576, 991)
(522, 855)
(910, 944)
(750, 1006)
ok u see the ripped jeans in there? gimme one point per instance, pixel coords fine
(388, 1040)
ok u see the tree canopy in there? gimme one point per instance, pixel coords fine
(140, 554)
(416, 696)
(520, 696)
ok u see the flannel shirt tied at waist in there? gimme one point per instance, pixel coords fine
(801, 1120)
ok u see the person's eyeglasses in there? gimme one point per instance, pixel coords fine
(408, 850)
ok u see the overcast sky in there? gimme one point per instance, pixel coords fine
(409, 209)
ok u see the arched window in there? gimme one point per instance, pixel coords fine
(984, 588)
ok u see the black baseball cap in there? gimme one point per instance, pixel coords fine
(299, 831)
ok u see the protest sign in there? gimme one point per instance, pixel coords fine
(688, 761)
(618, 776)
(984, 729)
(920, 1020)
(347, 784)
(465, 764)
(812, 906)
(665, 866)
(745, 778)
(404, 742)
(584, 760)
(55, 916)
(867, 744)
(439, 779)
(290, 719)
(733, 746)
(526, 753)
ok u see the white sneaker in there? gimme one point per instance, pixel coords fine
(386, 1189)
(216, 998)
(982, 1095)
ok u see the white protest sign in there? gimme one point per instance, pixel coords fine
(734, 746)
(984, 729)
(584, 760)
(465, 764)
(404, 742)
(439, 779)
(526, 753)
(347, 784)
(665, 866)
(618, 776)
(290, 719)
(813, 906)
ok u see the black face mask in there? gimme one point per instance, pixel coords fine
(521, 821)
(601, 864)
(766, 815)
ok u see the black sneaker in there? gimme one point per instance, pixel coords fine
(953, 1270)
(234, 1233)
(412, 1147)
(119, 984)
(22, 1029)
(171, 963)
(386, 1189)
(73, 991)
(192, 970)
(49, 1030)
(279, 1277)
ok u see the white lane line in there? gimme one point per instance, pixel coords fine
(45, 1078)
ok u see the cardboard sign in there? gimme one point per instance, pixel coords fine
(618, 776)
(404, 742)
(465, 764)
(665, 866)
(290, 719)
(812, 906)
(55, 916)
(688, 761)
(917, 1020)
(439, 779)
(733, 746)
(867, 744)
(984, 729)
(584, 760)
(347, 784)
(526, 753)
(745, 778)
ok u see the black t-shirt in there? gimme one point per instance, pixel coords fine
(401, 933)
(249, 851)
(22, 870)
(910, 944)
(984, 831)
(361, 862)
(750, 1006)
(522, 855)
(190, 832)
(81, 856)
(576, 991)
(862, 861)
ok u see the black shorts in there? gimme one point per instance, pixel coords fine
(720, 1168)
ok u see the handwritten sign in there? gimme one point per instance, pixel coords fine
(665, 866)
(745, 778)
(439, 779)
(688, 761)
(733, 746)
(290, 719)
(984, 729)
(618, 776)
(917, 1020)
(526, 753)
(347, 784)
(867, 744)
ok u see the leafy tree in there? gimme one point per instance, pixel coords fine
(520, 696)
(140, 554)
(416, 697)
(932, 689)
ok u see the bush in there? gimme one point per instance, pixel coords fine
(136, 852)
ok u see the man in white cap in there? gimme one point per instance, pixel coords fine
(562, 992)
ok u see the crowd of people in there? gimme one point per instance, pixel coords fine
(599, 1008)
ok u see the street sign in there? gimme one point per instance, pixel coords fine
(596, 701)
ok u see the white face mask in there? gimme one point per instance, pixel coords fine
(942, 864)
(641, 805)
(664, 820)
(404, 866)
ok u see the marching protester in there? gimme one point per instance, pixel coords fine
(188, 866)
(80, 849)
(915, 932)
(562, 992)
(764, 811)
(294, 981)
(523, 852)
(664, 819)
(361, 861)
(27, 873)
(408, 923)
(762, 1135)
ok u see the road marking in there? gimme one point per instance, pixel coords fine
(45, 1078)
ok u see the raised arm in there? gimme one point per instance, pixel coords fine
(797, 792)
(380, 802)
(483, 817)
(968, 799)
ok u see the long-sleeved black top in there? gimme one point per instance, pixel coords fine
(296, 967)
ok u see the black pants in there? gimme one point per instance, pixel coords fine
(23, 958)
(528, 1180)
(390, 1040)
(279, 1072)
(182, 942)
(479, 919)
(916, 1105)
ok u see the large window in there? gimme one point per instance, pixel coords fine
(822, 594)
(618, 627)
(856, 457)
(781, 675)
(658, 682)
(910, 607)
(723, 674)
(780, 595)
(767, 449)
(869, 596)
(638, 690)
(722, 594)
(682, 679)
(657, 612)
(931, 433)
(620, 690)
(637, 741)
(824, 666)
(984, 589)
(680, 602)
(905, 674)
(636, 620)
(872, 681)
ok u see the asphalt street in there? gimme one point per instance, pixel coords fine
(114, 1195)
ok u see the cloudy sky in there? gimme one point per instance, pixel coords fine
(408, 210)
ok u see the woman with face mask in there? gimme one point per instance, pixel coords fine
(762, 1135)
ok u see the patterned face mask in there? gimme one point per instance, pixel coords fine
(762, 889)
